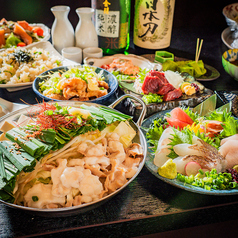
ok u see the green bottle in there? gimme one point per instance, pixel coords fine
(112, 23)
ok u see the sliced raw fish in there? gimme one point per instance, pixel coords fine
(234, 137)
(178, 113)
(161, 156)
(180, 164)
(209, 157)
(165, 89)
(228, 149)
(162, 152)
(186, 149)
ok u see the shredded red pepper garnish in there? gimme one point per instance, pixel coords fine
(53, 121)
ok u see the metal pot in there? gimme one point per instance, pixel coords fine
(139, 138)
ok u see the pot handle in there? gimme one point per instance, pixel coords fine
(143, 112)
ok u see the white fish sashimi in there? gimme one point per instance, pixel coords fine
(180, 164)
(185, 149)
(229, 151)
(204, 154)
(162, 152)
(165, 137)
(173, 78)
(161, 156)
(196, 140)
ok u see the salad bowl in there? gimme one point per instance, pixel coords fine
(109, 79)
(229, 62)
(65, 211)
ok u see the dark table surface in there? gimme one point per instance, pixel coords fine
(147, 205)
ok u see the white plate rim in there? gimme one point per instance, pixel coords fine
(224, 35)
(87, 60)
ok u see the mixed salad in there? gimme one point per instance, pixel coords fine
(19, 33)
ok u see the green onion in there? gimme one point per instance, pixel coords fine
(35, 198)
(212, 180)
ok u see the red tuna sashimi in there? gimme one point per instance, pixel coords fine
(165, 89)
(179, 114)
(151, 84)
(173, 122)
(171, 95)
(161, 75)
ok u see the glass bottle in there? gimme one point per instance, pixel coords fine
(112, 23)
(153, 21)
(62, 31)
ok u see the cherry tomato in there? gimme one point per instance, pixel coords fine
(39, 31)
(21, 44)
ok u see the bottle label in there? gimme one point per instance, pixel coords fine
(107, 23)
(153, 23)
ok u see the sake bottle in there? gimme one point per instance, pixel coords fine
(153, 23)
(112, 23)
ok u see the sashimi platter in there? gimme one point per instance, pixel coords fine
(195, 149)
(160, 90)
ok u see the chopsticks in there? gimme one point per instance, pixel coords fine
(198, 49)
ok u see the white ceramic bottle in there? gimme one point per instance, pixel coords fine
(62, 31)
(85, 32)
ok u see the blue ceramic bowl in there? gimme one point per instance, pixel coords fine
(104, 100)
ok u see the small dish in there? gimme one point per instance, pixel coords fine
(227, 38)
(230, 13)
(162, 56)
(227, 58)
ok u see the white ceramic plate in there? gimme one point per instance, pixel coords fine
(46, 45)
(136, 60)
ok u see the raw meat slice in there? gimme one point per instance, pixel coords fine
(151, 84)
(160, 75)
(165, 89)
(176, 93)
